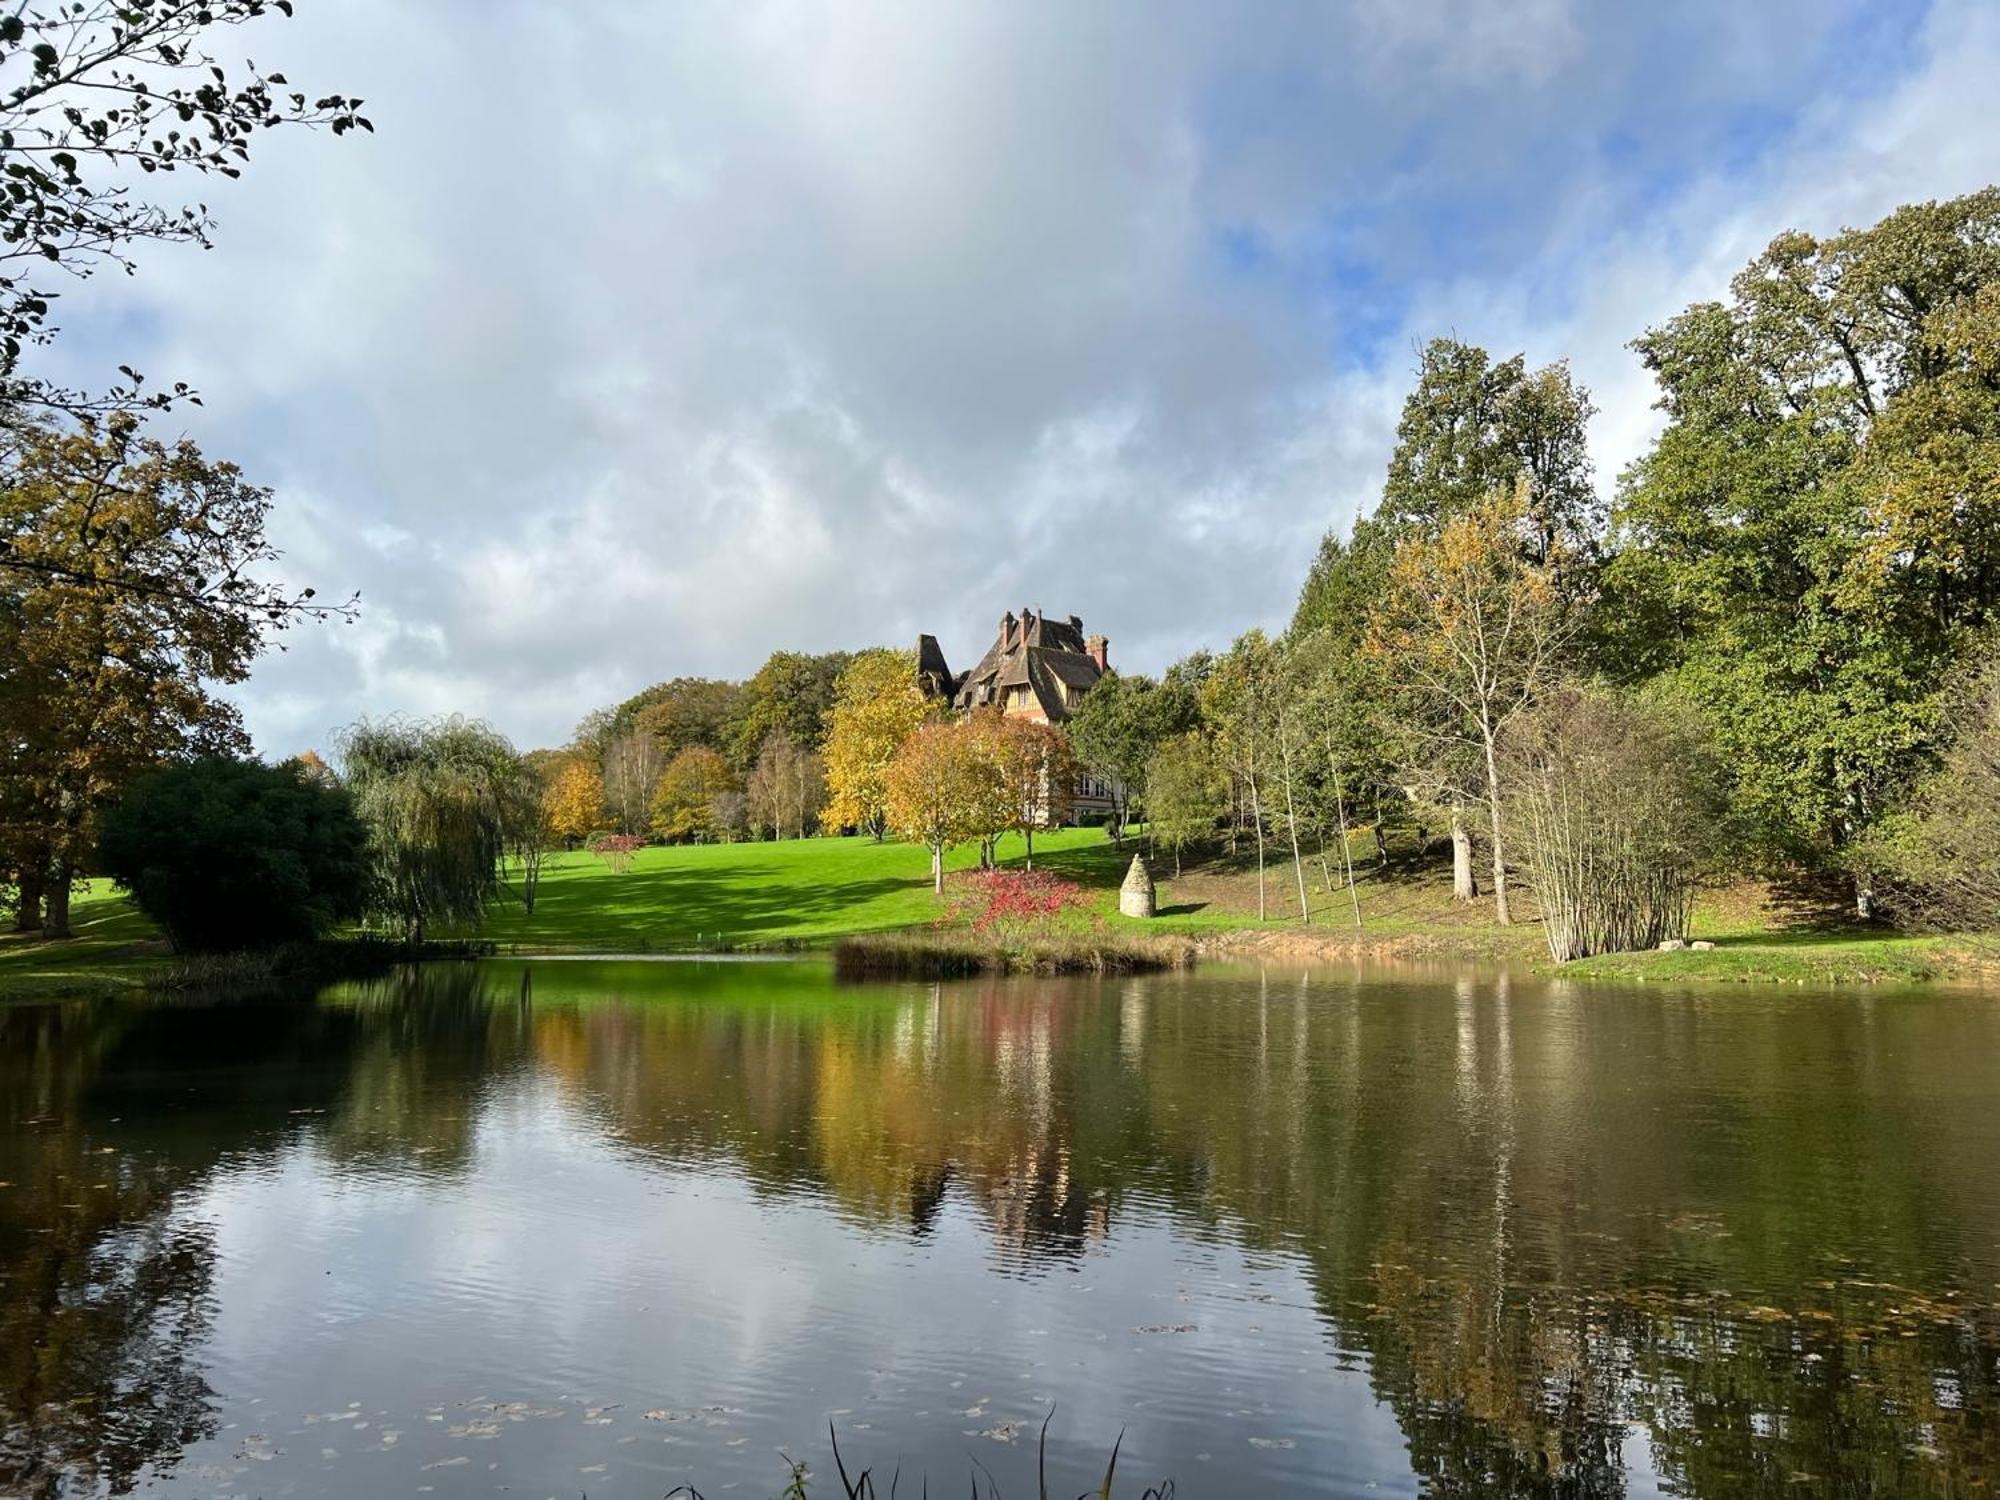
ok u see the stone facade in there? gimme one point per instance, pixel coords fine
(1136, 897)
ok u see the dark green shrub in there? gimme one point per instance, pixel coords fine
(234, 854)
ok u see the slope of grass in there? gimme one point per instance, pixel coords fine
(797, 891)
(114, 948)
(809, 893)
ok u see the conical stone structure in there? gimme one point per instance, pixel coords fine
(1135, 896)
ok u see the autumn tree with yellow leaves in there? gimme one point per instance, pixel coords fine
(936, 791)
(576, 801)
(877, 707)
(1470, 631)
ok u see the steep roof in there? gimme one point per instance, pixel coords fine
(1037, 653)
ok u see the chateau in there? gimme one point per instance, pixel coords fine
(1036, 668)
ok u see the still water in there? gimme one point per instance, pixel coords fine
(605, 1228)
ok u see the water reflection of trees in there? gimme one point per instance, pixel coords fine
(1555, 1226)
(109, 1113)
(115, 1113)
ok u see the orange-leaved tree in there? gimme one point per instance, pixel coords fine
(933, 792)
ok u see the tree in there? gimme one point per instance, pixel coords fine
(1813, 543)
(1187, 793)
(528, 811)
(434, 796)
(684, 799)
(1616, 809)
(576, 801)
(132, 591)
(1942, 852)
(1239, 701)
(632, 766)
(1469, 631)
(1119, 724)
(932, 792)
(786, 788)
(98, 98)
(1471, 427)
(877, 707)
(229, 854)
(1037, 773)
(686, 711)
(793, 693)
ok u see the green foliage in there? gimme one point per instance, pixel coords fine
(228, 854)
(436, 798)
(1942, 852)
(684, 712)
(1814, 540)
(791, 694)
(1123, 720)
(1187, 794)
(1472, 426)
(1344, 583)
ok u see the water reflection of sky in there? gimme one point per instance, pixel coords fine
(607, 1228)
(563, 1273)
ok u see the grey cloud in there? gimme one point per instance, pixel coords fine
(644, 340)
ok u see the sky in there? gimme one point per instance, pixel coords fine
(642, 340)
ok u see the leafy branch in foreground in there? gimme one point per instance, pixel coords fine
(95, 97)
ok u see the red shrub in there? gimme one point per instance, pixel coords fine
(1013, 904)
(617, 849)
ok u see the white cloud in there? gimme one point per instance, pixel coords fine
(646, 340)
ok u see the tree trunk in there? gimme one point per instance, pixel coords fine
(1257, 826)
(1028, 833)
(1464, 885)
(56, 923)
(1501, 912)
(1864, 896)
(937, 869)
(1347, 858)
(1292, 826)
(28, 914)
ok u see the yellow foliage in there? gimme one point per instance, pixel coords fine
(877, 708)
(576, 801)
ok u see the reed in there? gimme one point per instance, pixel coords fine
(960, 955)
(863, 1485)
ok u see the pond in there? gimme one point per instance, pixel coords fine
(605, 1228)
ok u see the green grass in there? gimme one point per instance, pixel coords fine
(809, 893)
(803, 892)
(115, 948)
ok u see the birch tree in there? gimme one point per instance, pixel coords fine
(1469, 631)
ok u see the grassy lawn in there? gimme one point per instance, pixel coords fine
(809, 892)
(805, 891)
(114, 948)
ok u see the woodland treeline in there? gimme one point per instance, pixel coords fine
(1772, 650)
(1765, 646)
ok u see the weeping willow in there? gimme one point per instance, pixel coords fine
(1614, 815)
(435, 796)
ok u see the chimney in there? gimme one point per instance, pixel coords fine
(1006, 627)
(1100, 652)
